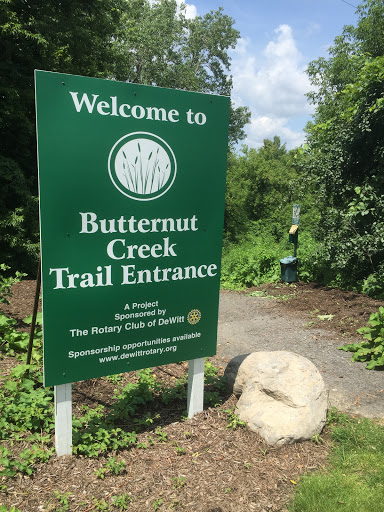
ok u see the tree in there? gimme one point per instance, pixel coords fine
(345, 151)
(160, 46)
(262, 185)
(71, 37)
(129, 40)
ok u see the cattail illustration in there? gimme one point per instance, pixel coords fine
(143, 166)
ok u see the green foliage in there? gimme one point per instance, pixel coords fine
(157, 504)
(26, 416)
(15, 343)
(354, 481)
(138, 41)
(179, 481)
(19, 237)
(251, 263)
(72, 37)
(63, 501)
(179, 450)
(262, 185)
(6, 283)
(256, 259)
(122, 501)
(25, 413)
(111, 467)
(101, 505)
(233, 420)
(344, 158)
(25, 406)
(95, 433)
(215, 385)
(370, 351)
(162, 436)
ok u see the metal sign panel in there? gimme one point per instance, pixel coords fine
(132, 185)
(296, 214)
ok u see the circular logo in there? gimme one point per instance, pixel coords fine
(142, 166)
(194, 316)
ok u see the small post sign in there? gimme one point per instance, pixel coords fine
(296, 214)
(132, 185)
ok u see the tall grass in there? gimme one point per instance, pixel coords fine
(354, 481)
(256, 260)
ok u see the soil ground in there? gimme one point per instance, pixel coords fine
(312, 321)
(222, 470)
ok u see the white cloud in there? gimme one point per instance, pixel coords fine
(272, 86)
(190, 9)
(264, 127)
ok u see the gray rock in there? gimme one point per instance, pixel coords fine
(282, 395)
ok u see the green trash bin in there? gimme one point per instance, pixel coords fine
(289, 269)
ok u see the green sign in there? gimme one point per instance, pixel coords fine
(132, 184)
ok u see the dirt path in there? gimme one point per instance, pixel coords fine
(248, 324)
(288, 319)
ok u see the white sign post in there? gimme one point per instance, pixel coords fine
(195, 400)
(63, 419)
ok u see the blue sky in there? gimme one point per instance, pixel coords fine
(278, 39)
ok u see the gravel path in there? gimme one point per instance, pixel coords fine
(248, 324)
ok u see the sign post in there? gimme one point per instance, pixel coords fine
(132, 187)
(63, 419)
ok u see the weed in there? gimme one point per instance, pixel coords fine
(26, 414)
(15, 343)
(115, 379)
(233, 420)
(161, 435)
(122, 501)
(261, 293)
(6, 283)
(157, 504)
(325, 317)
(179, 481)
(101, 505)
(370, 351)
(63, 501)
(180, 451)
(317, 439)
(215, 385)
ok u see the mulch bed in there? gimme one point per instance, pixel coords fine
(346, 311)
(222, 470)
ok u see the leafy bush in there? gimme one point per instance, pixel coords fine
(15, 343)
(373, 285)
(372, 350)
(250, 263)
(256, 260)
(7, 282)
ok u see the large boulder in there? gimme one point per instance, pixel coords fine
(282, 395)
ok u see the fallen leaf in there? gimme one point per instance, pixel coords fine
(326, 317)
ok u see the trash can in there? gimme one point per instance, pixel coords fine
(289, 269)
